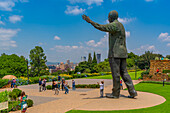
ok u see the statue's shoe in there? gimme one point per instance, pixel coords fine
(112, 96)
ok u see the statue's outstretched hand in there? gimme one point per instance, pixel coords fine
(86, 18)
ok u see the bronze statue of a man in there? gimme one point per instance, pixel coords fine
(117, 53)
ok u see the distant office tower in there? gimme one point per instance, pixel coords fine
(98, 58)
(83, 58)
(68, 61)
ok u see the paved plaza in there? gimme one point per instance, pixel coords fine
(86, 99)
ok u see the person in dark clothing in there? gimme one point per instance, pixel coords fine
(73, 85)
(53, 84)
(63, 81)
(59, 77)
(40, 85)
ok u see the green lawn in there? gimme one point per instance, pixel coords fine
(132, 74)
(145, 87)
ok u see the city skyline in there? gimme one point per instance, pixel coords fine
(58, 28)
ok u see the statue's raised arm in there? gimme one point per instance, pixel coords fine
(111, 27)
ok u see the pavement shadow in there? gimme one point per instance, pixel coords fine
(126, 96)
(94, 97)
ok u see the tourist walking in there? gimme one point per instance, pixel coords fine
(23, 102)
(101, 88)
(55, 88)
(59, 77)
(121, 85)
(40, 85)
(73, 85)
(62, 83)
(66, 88)
(44, 84)
(13, 82)
(58, 83)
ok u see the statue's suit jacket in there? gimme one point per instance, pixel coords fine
(117, 38)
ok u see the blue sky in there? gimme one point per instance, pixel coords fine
(57, 26)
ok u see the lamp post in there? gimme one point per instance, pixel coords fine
(27, 70)
(135, 68)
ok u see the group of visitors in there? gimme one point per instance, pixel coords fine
(56, 84)
(42, 84)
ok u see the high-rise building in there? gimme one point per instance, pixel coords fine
(83, 58)
(68, 61)
(98, 58)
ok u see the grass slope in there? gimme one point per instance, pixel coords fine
(145, 87)
(132, 74)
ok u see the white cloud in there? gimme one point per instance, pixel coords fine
(74, 10)
(149, 0)
(57, 38)
(126, 20)
(101, 43)
(6, 36)
(15, 18)
(143, 48)
(127, 33)
(7, 5)
(88, 2)
(164, 37)
(168, 44)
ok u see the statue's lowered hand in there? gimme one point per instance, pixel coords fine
(86, 18)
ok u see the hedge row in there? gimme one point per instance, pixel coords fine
(156, 82)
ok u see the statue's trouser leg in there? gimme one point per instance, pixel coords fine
(115, 68)
(126, 78)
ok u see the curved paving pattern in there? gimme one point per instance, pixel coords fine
(87, 99)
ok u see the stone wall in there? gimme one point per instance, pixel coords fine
(161, 65)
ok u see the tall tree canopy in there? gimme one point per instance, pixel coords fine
(12, 64)
(89, 58)
(37, 61)
(94, 59)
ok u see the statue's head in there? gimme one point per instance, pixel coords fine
(113, 15)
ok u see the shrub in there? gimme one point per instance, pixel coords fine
(49, 87)
(144, 73)
(4, 96)
(87, 86)
(166, 71)
(13, 95)
(17, 91)
(3, 82)
(30, 103)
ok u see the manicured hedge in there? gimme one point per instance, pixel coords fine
(156, 82)
(87, 86)
(166, 71)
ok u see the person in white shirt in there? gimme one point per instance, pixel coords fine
(101, 88)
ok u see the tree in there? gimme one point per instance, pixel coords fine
(103, 66)
(132, 55)
(37, 61)
(168, 56)
(82, 67)
(94, 59)
(90, 58)
(12, 64)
